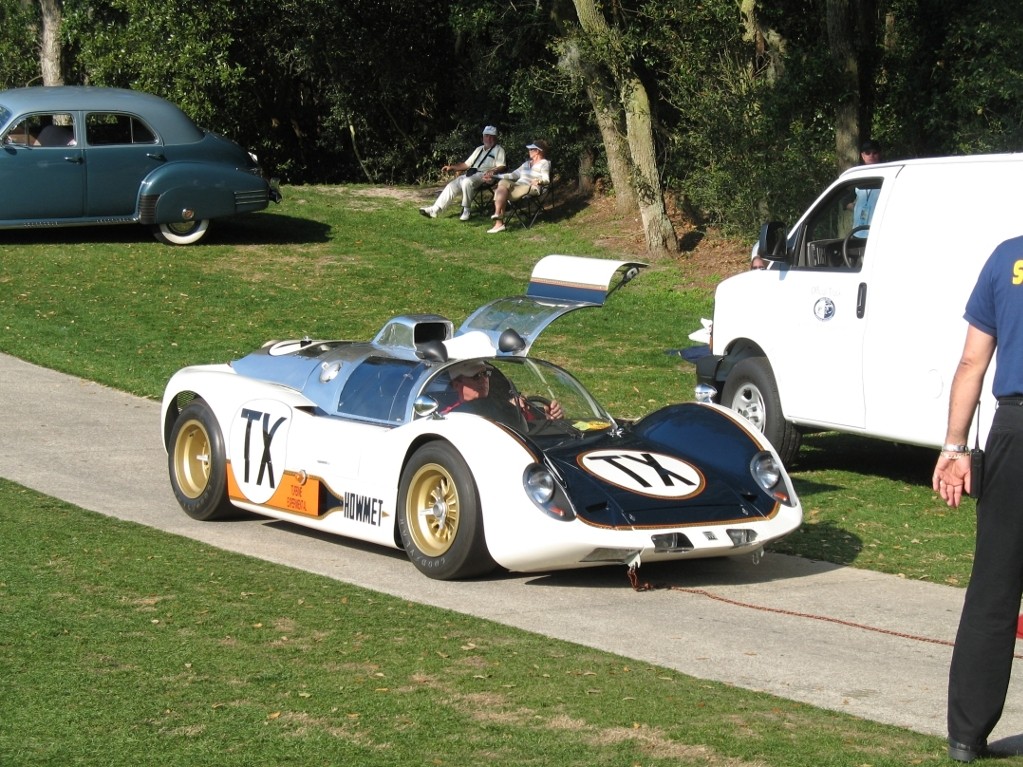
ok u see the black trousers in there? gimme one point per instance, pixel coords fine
(986, 641)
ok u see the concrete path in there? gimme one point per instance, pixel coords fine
(871, 645)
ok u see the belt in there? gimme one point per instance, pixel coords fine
(1010, 401)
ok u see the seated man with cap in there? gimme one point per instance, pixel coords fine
(488, 158)
(471, 383)
(526, 179)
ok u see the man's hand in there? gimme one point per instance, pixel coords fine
(552, 411)
(952, 477)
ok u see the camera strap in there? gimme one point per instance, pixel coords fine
(478, 162)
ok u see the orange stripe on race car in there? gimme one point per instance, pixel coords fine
(296, 494)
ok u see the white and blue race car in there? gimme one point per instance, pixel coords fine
(467, 453)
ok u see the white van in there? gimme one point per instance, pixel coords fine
(859, 328)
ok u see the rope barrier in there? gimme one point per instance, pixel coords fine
(647, 586)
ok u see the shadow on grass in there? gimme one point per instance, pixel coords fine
(268, 229)
(831, 451)
(249, 229)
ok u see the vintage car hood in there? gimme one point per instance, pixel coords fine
(652, 477)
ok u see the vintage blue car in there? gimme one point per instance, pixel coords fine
(83, 155)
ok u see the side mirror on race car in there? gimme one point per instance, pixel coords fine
(432, 351)
(510, 341)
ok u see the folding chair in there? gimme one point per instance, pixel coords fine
(483, 200)
(529, 208)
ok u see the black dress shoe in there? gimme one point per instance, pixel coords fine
(961, 752)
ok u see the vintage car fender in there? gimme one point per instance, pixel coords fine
(223, 390)
(519, 535)
(496, 458)
(204, 191)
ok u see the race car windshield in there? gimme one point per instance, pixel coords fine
(527, 394)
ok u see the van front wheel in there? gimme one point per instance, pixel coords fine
(751, 391)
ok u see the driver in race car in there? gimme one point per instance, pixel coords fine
(471, 383)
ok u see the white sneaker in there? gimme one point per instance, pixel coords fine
(495, 217)
(429, 212)
(498, 227)
(465, 214)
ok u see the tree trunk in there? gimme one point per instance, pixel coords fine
(851, 37)
(623, 99)
(660, 234)
(584, 177)
(50, 65)
(612, 130)
(619, 164)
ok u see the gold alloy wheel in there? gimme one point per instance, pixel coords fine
(432, 510)
(192, 459)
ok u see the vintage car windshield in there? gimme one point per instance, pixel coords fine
(378, 390)
(533, 384)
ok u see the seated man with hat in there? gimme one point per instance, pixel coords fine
(488, 158)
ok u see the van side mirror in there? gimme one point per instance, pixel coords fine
(772, 243)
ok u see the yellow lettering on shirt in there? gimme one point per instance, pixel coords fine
(1017, 272)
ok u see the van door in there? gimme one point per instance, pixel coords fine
(821, 299)
(944, 218)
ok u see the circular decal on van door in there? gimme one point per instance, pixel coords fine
(824, 309)
(654, 474)
(259, 447)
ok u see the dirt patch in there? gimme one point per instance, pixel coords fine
(705, 255)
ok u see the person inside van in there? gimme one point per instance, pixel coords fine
(860, 201)
(862, 205)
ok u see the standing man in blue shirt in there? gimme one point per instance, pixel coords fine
(986, 641)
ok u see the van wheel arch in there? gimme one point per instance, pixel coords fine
(752, 391)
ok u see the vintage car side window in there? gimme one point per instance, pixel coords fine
(109, 128)
(836, 233)
(378, 390)
(47, 130)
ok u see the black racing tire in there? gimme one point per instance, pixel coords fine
(181, 232)
(197, 464)
(439, 515)
(752, 391)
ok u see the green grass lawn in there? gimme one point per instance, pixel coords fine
(124, 645)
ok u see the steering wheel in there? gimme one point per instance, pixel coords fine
(537, 407)
(845, 245)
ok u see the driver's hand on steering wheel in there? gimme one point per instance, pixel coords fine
(552, 410)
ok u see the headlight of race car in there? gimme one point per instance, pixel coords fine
(545, 491)
(769, 475)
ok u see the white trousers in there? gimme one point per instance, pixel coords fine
(466, 185)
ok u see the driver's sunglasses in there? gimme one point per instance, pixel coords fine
(480, 375)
